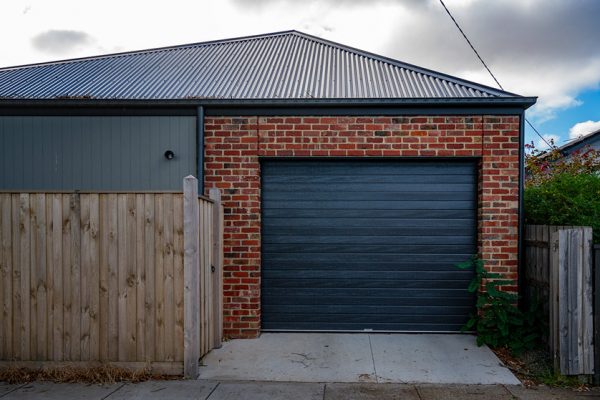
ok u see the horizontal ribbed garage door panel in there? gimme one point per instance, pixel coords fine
(392, 296)
(392, 179)
(369, 187)
(370, 248)
(283, 214)
(374, 196)
(363, 293)
(328, 326)
(368, 240)
(363, 257)
(372, 300)
(367, 222)
(339, 167)
(328, 321)
(373, 231)
(369, 274)
(372, 204)
(404, 310)
(348, 282)
(364, 244)
(395, 265)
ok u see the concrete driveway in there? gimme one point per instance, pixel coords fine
(358, 357)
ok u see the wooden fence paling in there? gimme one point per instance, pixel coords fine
(597, 313)
(6, 270)
(150, 306)
(558, 268)
(553, 263)
(541, 281)
(575, 302)
(89, 277)
(201, 279)
(587, 299)
(178, 277)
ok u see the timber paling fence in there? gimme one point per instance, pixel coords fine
(132, 279)
(559, 272)
(597, 313)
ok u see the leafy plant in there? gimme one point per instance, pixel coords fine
(498, 321)
(544, 165)
(565, 199)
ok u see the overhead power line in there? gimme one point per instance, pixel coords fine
(538, 133)
(487, 68)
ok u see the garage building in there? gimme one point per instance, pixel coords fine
(352, 183)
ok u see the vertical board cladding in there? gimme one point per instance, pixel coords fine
(234, 145)
(108, 153)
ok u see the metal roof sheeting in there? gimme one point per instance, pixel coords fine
(284, 65)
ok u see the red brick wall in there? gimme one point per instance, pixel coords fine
(233, 146)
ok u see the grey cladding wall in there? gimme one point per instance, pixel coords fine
(95, 152)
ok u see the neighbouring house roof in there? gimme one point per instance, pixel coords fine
(590, 140)
(282, 65)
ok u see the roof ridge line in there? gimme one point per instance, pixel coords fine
(405, 65)
(150, 50)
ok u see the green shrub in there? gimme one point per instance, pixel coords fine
(565, 199)
(497, 320)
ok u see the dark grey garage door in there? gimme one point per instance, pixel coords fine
(360, 245)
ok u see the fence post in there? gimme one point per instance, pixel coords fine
(191, 276)
(575, 302)
(587, 300)
(217, 273)
(554, 264)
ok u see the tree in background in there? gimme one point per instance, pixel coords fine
(563, 190)
(543, 165)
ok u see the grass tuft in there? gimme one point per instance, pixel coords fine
(102, 374)
(534, 367)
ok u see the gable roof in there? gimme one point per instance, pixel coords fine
(281, 65)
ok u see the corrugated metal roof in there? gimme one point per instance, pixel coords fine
(283, 65)
(591, 139)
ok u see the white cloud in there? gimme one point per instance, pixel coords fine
(60, 41)
(535, 48)
(545, 48)
(552, 139)
(583, 128)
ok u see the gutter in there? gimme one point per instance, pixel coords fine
(524, 102)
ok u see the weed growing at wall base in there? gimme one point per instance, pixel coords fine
(498, 321)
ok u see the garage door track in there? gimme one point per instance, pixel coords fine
(347, 357)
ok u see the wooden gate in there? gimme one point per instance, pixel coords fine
(558, 271)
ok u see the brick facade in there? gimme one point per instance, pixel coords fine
(233, 146)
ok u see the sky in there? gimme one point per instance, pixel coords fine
(544, 48)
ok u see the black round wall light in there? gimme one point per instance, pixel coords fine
(169, 155)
